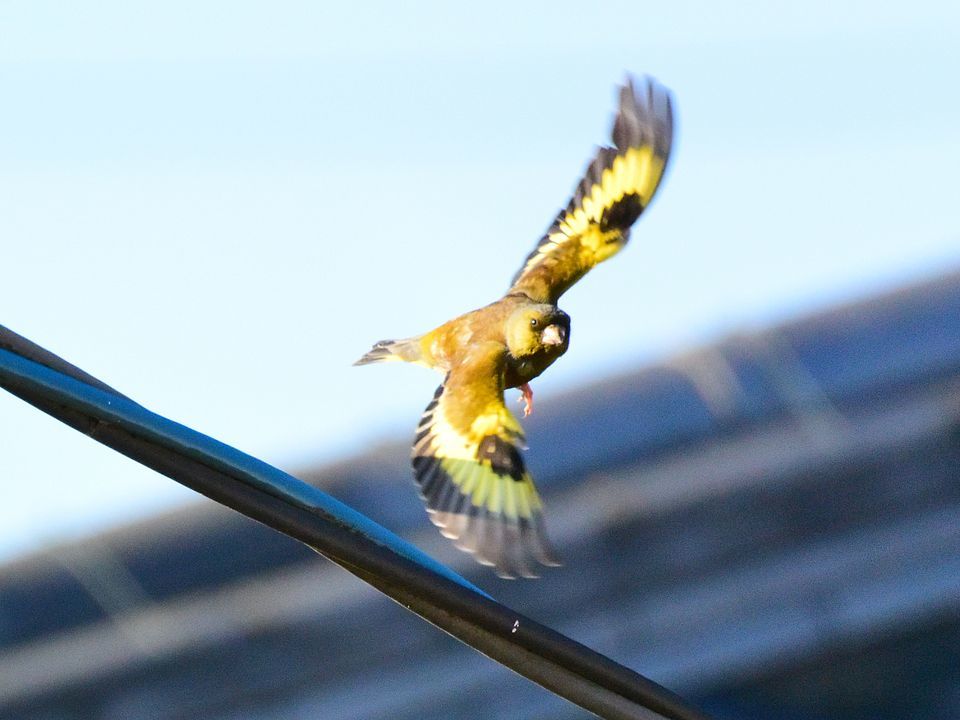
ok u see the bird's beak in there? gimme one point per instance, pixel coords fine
(553, 335)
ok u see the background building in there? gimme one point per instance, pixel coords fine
(769, 526)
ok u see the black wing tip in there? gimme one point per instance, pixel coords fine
(512, 547)
(644, 116)
(525, 547)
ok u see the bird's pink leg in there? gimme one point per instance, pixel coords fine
(526, 398)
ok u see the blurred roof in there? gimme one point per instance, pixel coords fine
(727, 517)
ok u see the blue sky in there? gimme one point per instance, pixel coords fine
(216, 207)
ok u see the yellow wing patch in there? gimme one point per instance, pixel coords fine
(618, 185)
(467, 462)
(635, 172)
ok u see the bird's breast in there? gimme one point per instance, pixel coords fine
(523, 370)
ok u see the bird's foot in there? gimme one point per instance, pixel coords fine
(526, 398)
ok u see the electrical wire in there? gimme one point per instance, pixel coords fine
(340, 533)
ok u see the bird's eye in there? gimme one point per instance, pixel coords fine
(534, 322)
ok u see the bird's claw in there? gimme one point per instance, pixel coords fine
(526, 398)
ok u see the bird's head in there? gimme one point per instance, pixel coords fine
(538, 328)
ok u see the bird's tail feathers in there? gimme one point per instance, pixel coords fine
(406, 350)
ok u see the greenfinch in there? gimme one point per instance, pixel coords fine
(466, 454)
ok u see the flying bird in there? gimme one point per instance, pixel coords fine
(466, 454)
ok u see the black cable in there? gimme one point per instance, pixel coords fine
(550, 659)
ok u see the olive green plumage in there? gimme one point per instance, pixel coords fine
(466, 454)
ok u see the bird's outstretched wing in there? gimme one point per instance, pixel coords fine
(466, 460)
(618, 185)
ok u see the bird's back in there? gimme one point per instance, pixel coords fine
(445, 346)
